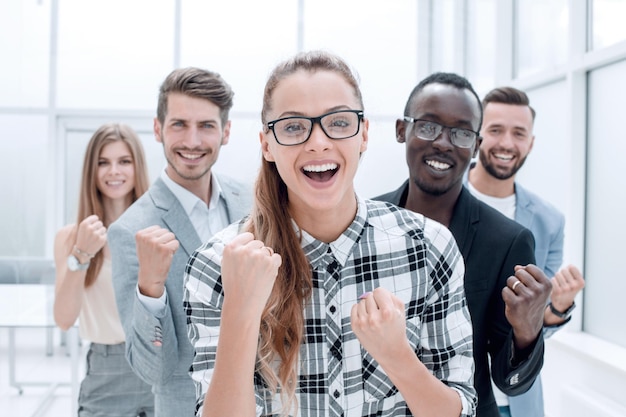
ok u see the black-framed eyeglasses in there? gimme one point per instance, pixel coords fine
(294, 130)
(428, 130)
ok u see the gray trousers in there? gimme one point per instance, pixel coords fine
(111, 388)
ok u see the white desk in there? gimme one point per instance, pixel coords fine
(30, 305)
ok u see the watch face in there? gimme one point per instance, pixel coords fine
(74, 265)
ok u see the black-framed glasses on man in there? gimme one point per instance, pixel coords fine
(294, 130)
(428, 130)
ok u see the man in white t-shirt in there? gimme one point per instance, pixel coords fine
(508, 138)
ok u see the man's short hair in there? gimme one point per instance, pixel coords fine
(446, 78)
(508, 95)
(198, 83)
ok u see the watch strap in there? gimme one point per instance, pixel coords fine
(565, 314)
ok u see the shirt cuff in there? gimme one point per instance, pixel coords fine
(156, 306)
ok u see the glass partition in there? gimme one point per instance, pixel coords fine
(606, 205)
(241, 40)
(481, 45)
(380, 42)
(113, 54)
(546, 170)
(445, 32)
(541, 35)
(607, 22)
(25, 51)
(24, 181)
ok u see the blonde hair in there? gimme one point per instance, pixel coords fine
(90, 199)
(282, 322)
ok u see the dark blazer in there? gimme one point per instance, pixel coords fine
(164, 365)
(547, 224)
(491, 245)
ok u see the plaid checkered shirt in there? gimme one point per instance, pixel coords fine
(385, 246)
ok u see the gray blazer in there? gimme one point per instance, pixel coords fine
(164, 366)
(546, 223)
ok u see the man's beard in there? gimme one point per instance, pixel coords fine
(186, 176)
(432, 189)
(499, 174)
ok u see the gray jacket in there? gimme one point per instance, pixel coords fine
(164, 366)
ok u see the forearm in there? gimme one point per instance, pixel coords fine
(148, 285)
(523, 339)
(68, 299)
(423, 392)
(231, 390)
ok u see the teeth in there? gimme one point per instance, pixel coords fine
(438, 165)
(503, 157)
(190, 155)
(320, 168)
(114, 183)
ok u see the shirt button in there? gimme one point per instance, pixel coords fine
(336, 394)
(333, 309)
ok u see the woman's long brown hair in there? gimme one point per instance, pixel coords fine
(90, 198)
(282, 322)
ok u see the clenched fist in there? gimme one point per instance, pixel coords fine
(156, 247)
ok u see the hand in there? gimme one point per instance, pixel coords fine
(525, 298)
(91, 236)
(566, 284)
(156, 247)
(249, 270)
(379, 322)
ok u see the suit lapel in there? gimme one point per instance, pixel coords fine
(175, 217)
(465, 221)
(236, 207)
(524, 209)
(178, 222)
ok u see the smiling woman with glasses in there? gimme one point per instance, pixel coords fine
(294, 130)
(321, 302)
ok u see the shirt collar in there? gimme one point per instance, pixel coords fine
(188, 199)
(216, 193)
(341, 248)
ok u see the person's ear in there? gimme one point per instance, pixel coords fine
(365, 135)
(400, 131)
(265, 147)
(157, 130)
(226, 133)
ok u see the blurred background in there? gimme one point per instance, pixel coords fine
(68, 66)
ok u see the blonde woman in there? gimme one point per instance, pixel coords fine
(322, 303)
(114, 176)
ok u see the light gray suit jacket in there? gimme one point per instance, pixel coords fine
(547, 225)
(166, 365)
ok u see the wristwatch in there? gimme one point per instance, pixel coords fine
(73, 264)
(562, 315)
